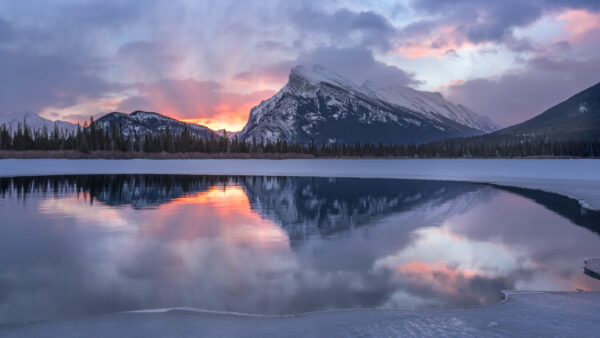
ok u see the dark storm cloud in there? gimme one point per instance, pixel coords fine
(32, 82)
(491, 21)
(522, 94)
(6, 31)
(373, 30)
(358, 64)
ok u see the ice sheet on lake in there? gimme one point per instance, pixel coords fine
(560, 314)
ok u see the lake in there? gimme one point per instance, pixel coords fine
(93, 244)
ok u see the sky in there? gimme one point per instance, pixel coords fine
(210, 62)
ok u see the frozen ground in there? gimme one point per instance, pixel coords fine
(579, 179)
(524, 315)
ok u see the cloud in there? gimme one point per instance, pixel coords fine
(365, 28)
(32, 82)
(358, 64)
(276, 73)
(147, 61)
(6, 31)
(479, 22)
(111, 49)
(524, 93)
(205, 102)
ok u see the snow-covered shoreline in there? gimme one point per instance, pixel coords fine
(575, 178)
(529, 314)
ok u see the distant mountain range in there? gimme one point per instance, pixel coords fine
(324, 107)
(35, 121)
(321, 106)
(143, 123)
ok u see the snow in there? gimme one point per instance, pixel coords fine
(429, 104)
(34, 121)
(319, 74)
(549, 314)
(578, 179)
(306, 84)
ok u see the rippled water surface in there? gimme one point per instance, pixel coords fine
(82, 245)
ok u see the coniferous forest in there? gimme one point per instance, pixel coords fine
(91, 137)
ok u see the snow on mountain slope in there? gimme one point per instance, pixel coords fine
(321, 106)
(142, 122)
(35, 122)
(430, 104)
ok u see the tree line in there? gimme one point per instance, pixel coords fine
(93, 137)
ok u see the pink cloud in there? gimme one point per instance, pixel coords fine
(580, 25)
(437, 44)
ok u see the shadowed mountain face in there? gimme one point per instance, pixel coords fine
(577, 118)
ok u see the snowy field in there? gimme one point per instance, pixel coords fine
(525, 315)
(579, 179)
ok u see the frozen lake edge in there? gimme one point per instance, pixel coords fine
(574, 178)
(527, 314)
(524, 314)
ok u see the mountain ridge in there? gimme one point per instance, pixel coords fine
(142, 123)
(319, 105)
(577, 117)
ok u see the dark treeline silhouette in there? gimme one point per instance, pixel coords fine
(92, 137)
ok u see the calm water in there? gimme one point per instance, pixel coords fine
(81, 245)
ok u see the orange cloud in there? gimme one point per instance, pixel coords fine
(437, 274)
(204, 102)
(448, 84)
(223, 212)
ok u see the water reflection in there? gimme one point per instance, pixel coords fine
(78, 245)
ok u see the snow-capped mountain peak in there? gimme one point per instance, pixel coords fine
(302, 77)
(320, 105)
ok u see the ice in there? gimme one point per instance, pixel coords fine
(549, 314)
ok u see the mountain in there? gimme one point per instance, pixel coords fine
(314, 206)
(229, 134)
(35, 121)
(319, 105)
(577, 118)
(142, 123)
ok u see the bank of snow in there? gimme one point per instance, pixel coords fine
(579, 179)
(560, 314)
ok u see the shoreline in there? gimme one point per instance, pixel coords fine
(521, 313)
(576, 179)
(119, 155)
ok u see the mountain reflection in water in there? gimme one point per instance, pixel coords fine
(79, 245)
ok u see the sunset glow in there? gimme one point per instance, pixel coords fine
(214, 71)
